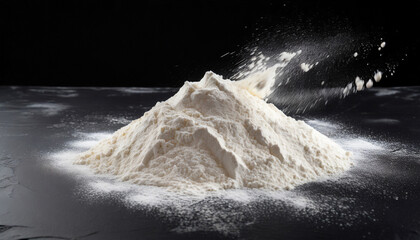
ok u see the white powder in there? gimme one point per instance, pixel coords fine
(383, 44)
(286, 56)
(369, 84)
(306, 67)
(217, 134)
(260, 84)
(359, 83)
(377, 76)
(348, 89)
(259, 64)
(355, 54)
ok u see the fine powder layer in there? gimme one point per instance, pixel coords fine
(217, 134)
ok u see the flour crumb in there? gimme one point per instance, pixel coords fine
(306, 67)
(383, 44)
(369, 84)
(359, 83)
(377, 76)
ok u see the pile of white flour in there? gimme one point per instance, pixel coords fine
(217, 134)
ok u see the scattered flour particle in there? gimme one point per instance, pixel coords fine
(306, 67)
(359, 83)
(383, 44)
(369, 84)
(286, 56)
(347, 89)
(355, 54)
(377, 76)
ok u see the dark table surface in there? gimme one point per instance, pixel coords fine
(378, 198)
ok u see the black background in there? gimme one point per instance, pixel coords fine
(164, 43)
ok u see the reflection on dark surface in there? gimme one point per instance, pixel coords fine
(377, 199)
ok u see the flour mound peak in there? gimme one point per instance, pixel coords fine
(217, 134)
